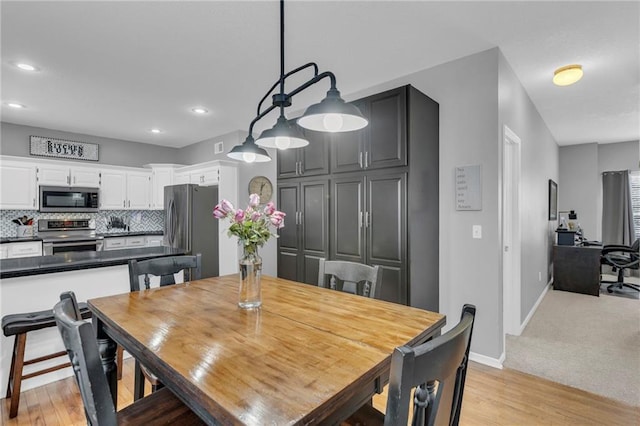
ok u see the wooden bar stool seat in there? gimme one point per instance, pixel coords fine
(19, 325)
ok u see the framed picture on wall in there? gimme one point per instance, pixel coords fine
(553, 200)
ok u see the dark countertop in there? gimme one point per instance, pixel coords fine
(25, 266)
(19, 239)
(129, 234)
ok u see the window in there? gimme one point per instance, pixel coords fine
(634, 181)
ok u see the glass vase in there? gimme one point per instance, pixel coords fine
(249, 292)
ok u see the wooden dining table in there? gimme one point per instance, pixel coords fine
(309, 355)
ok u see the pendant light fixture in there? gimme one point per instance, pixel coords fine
(333, 114)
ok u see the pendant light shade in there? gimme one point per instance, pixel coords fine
(333, 115)
(249, 152)
(282, 136)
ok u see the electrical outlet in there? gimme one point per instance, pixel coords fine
(477, 231)
(218, 148)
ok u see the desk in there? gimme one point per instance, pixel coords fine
(577, 269)
(310, 355)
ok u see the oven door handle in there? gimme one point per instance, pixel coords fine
(72, 244)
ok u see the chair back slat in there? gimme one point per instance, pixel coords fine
(351, 277)
(82, 347)
(442, 360)
(165, 268)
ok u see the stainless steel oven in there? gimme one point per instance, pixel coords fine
(64, 199)
(62, 236)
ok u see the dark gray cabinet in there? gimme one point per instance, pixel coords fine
(369, 225)
(382, 203)
(383, 143)
(305, 238)
(312, 160)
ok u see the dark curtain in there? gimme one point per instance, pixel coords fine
(617, 213)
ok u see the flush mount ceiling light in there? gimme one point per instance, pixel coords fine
(200, 110)
(156, 131)
(15, 105)
(567, 75)
(333, 114)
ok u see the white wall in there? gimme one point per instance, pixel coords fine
(14, 140)
(580, 186)
(539, 163)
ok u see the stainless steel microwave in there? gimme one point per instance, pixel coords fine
(64, 199)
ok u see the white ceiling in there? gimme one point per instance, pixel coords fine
(118, 69)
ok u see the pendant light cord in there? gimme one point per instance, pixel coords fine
(282, 54)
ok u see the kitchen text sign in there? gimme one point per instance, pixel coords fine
(59, 148)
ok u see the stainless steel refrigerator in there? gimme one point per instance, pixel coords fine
(189, 223)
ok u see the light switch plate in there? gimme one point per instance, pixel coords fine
(477, 231)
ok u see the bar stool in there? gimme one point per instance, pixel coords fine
(19, 325)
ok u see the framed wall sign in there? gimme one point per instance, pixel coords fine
(59, 148)
(469, 187)
(553, 200)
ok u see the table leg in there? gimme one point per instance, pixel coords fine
(107, 349)
(138, 382)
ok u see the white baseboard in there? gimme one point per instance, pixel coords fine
(483, 359)
(535, 307)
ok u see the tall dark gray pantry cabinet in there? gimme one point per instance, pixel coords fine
(369, 196)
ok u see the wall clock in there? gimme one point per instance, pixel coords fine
(262, 186)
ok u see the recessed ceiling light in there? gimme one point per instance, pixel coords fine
(567, 75)
(156, 131)
(199, 110)
(15, 105)
(26, 67)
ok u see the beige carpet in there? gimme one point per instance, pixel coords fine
(587, 342)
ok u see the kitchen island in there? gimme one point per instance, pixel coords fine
(35, 283)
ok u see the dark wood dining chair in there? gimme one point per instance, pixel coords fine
(161, 407)
(165, 268)
(350, 277)
(436, 370)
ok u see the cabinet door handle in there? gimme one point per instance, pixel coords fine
(124, 203)
(297, 168)
(367, 220)
(366, 159)
(129, 203)
(301, 168)
(360, 220)
(68, 183)
(360, 159)
(301, 218)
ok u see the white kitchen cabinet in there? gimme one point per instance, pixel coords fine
(64, 175)
(84, 176)
(113, 190)
(118, 243)
(154, 240)
(139, 190)
(18, 187)
(160, 177)
(180, 178)
(23, 249)
(49, 174)
(123, 190)
(205, 177)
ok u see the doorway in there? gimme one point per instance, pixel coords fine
(511, 232)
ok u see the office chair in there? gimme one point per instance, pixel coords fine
(621, 257)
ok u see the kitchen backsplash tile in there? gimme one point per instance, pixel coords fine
(137, 220)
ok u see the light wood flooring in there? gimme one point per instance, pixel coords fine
(491, 397)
